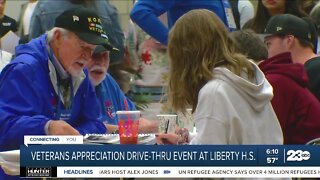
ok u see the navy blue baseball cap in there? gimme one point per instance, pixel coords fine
(288, 24)
(86, 24)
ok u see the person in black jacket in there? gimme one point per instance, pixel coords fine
(6, 23)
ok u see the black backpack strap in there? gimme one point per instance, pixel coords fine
(235, 11)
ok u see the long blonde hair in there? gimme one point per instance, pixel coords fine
(199, 42)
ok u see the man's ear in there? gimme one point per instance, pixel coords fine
(290, 40)
(58, 37)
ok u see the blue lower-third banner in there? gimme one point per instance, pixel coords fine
(169, 161)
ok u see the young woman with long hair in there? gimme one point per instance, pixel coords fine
(229, 94)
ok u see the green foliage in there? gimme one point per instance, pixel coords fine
(142, 101)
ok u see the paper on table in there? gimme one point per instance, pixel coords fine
(11, 156)
(114, 139)
(10, 162)
(102, 139)
(9, 42)
(10, 168)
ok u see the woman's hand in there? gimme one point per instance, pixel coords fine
(167, 138)
(181, 136)
(184, 135)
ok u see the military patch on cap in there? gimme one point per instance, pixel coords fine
(86, 24)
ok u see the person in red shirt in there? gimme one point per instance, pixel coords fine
(297, 109)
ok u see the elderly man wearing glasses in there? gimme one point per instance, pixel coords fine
(45, 90)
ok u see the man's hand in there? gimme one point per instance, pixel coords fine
(111, 129)
(60, 127)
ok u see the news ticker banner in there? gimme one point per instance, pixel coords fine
(171, 172)
(169, 161)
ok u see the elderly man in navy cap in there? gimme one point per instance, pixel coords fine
(45, 90)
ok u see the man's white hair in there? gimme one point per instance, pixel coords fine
(51, 32)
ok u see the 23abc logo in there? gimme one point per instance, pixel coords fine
(298, 155)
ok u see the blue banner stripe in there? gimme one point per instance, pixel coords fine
(179, 155)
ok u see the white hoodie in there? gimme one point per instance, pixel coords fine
(233, 110)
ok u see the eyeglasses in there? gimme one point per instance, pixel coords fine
(99, 55)
(85, 47)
